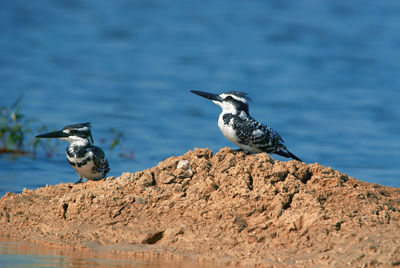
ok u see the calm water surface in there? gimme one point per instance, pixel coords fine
(325, 75)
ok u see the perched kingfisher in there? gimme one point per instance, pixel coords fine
(240, 128)
(88, 160)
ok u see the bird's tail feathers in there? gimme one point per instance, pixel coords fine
(286, 153)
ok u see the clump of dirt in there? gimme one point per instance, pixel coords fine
(223, 208)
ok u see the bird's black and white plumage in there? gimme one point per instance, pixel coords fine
(240, 128)
(86, 159)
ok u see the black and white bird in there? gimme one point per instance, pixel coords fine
(86, 159)
(240, 128)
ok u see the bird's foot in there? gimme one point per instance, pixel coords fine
(79, 181)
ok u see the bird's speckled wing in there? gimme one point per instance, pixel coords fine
(251, 132)
(267, 138)
(100, 162)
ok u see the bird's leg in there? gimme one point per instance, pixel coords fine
(80, 180)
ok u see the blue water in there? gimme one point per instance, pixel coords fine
(325, 75)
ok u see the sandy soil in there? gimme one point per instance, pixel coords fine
(227, 208)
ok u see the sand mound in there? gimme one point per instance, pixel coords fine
(222, 208)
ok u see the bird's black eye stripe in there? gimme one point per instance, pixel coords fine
(78, 132)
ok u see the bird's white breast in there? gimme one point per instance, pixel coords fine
(227, 130)
(86, 171)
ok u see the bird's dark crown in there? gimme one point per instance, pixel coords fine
(239, 94)
(240, 102)
(81, 130)
(78, 126)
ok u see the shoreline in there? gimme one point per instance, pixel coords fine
(222, 208)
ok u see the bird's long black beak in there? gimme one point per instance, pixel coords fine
(210, 96)
(54, 134)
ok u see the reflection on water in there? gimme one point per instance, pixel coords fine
(16, 254)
